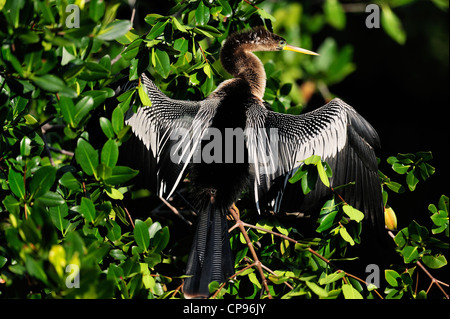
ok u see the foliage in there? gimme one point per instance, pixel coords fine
(65, 231)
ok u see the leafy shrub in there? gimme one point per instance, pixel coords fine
(65, 230)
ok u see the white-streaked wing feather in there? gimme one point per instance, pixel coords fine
(335, 132)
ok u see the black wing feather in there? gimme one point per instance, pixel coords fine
(336, 132)
(155, 136)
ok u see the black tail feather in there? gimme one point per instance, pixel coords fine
(210, 256)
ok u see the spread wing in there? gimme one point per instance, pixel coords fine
(278, 143)
(165, 135)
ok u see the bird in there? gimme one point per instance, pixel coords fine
(232, 141)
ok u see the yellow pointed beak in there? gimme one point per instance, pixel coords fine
(299, 50)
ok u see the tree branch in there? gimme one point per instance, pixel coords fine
(257, 263)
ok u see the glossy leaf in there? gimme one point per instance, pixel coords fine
(110, 153)
(114, 30)
(86, 156)
(350, 292)
(162, 63)
(87, 209)
(107, 127)
(16, 183)
(82, 108)
(353, 213)
(141, 234)
(52, 83)
(202, 13)
(42, 180)
(120, 175)
(117, 120)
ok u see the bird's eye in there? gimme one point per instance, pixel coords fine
(282, 42)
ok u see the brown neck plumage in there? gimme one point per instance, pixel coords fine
(238, 60)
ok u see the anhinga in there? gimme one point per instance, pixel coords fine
(336, 132)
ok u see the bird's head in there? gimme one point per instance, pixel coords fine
(260, 39)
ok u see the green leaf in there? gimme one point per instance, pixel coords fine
(162, 62)
(160, 239)
(42, 180)
(114, 30)
(58, 214)
(202, 14)
(178, 25)
(86, 156)
(67, 110)
(143, 96)
(410, 254)
(308, 182)
(353, 213)
(207, 70)
(226, 8)
(120, 175)
(312, 160)
(319, 291)
(157, 30)
(208, 31)
(392, 24)
(434, 262)
(82, 108)
(52, 83)
(70, 181)
(114, 230)
(94, 72)
(87, 209)
(327, 216)
(96, 9)
(331, 278)
(106, 127)
(334, 14)
(392, 277)
(152, 18)
(110, 153)
(396, 187)
(132, 50)
(346, 236)
(114, 193)
(51, 199)
(298, 175)
(117, 120)
(350, 292)
(412, 180)
(400, 167)
(35, 269)
(322, 174)
(16, 183)
(141, 234)
(265, 15)
(25, 146)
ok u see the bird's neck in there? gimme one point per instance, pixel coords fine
(238, 60)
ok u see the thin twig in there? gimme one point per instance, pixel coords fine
(433, 280)
(64, 152)
(44, 138)
(231, 277)
(175, 211)
(273, 273)
(128, 214)
(252, 250)
(25, 188)
(253, 5)
(315, 253)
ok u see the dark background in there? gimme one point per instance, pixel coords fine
(404, 92)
